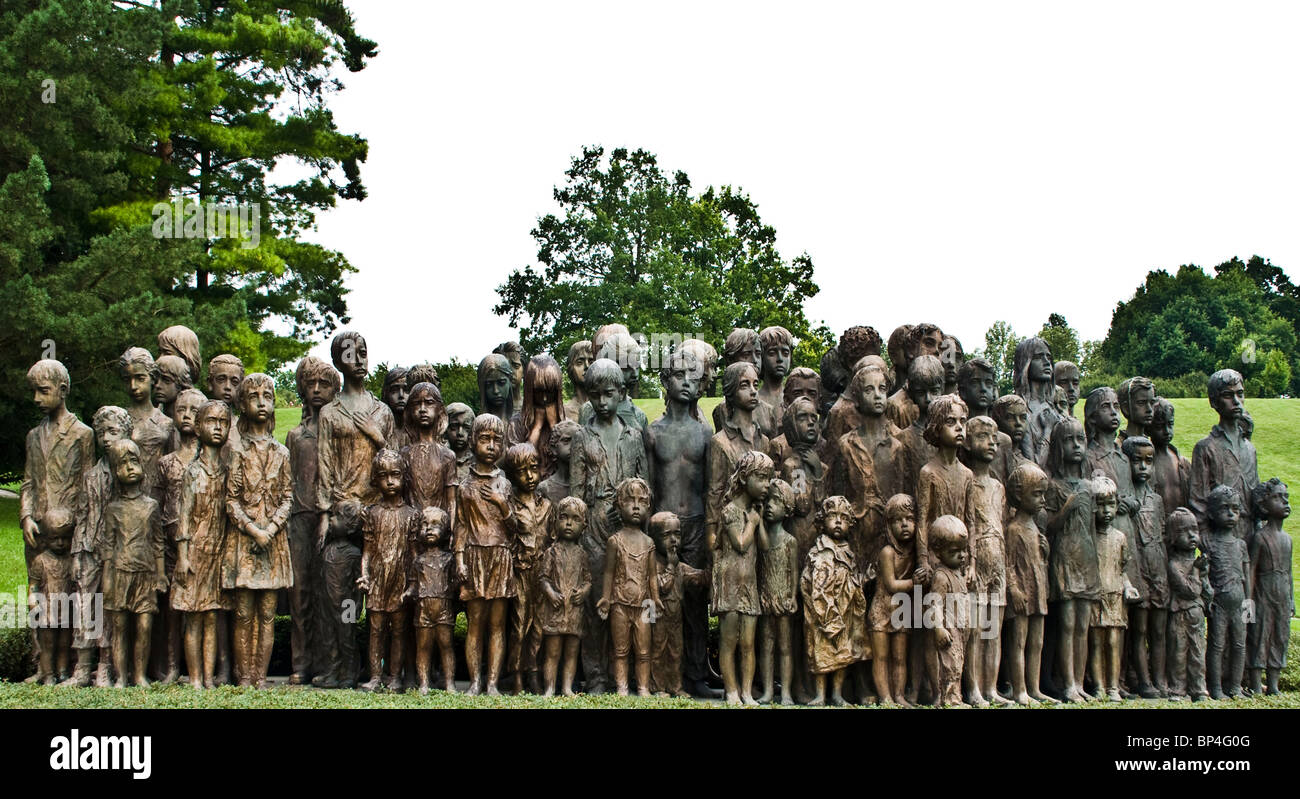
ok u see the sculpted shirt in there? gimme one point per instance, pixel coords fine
(345, 450)
(58, 456)
(1216, 460)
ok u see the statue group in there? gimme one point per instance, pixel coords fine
(873, 532)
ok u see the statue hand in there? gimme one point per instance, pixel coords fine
(30, 531)
(363, 583)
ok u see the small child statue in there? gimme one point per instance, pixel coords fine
(60, 451)
(394, 394)
(49, 578)
(1225, 457)
(944, 483)
(435, 612)
(430, 465)
(895, 574)
(560, 447)
(1270, 560)
(259, 489)
(862, 461)
(1072, 568)
(1150, 568)
(1171, 473)
(576, 367)
(631, 587)
(135, 571)
(778, 589)
(151, 429)
(674, 575)
(1109, 618)
(173, 378)
(339, 601)
(949, 602)
(985, 508)
(924, 386)
(565, 580)
(1189, 587)
(389, 529)
(1027, 584)
(977, 385)
(496, 386)
(735, 573)
(201, 542)
(833, 604)
(1230, 575)
(171, 472)
(1065, 374)
(1011, 415)
(484, 566)
(460, 421)
(543, 408)
(531, 521)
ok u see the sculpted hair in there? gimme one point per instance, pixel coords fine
(977, 424)
(192, 395)
(458, 409)
(1126, 390)
(1220, 496)
(860, 378)
(183, 342)
(210, 407)
(1131, 444)
(899, 506)
(137, 356)
(627, 486)
(53, 371)
(788, 420)
(487, 422)
(119, 449)
(731, 380)
(924, 369)
(940, 409)
(1023, 479)
(227, 359)
(834, 377)
(1056, 444)
(947, 531)
(112, 413)
(973, 370)
(394, 375)
(1221, 380)
(339, 346)
(916, 333)
(684, 360)
(565, 427)
(802, 374)
(177, 369)
(517, 458)
(572, 503)
(423, 373)
(542, 374)
(897, 351)
(750, 462)
(1092, 405)
(782, 491)
(603, 372)
(311, 368)
(737, 340)
(386, 458)
(250, 382)
(659, 523)
(1179, 516)
(579, 349)
(419, 392)
(1061, 369)
(856, 343)
(1025, 354)
(1102, 486)
(1260, 493)
(835, 504)
(491, 367)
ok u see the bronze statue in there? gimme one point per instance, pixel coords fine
(1075, 581)
(196, 592)
(862, 464)
(707, 358)
(559, 449)
(564, 578)
(1109, 619)
(943, 486)
(576, 367)
(776, 349)
(920, 340)
(1033, 381)
(737, 434)
(543, 408)
(952, 356)
(895, 574)
(949, 602)
(834, 607)
(1225, 658)
(495, 388)
(394, 395)
(151, 429)
(844, 415)
(1137, 400)
(924, 386)
(338, 598)
(834, 379)
(1027, 583)
(430, 465)
(1011, 414)
(675, 577)
(977, 386)
(630, 595)
(49, 577)
(778, 591)
(257, 559)
(1172, 473)
(1066, 376)
(460, 420)
(183, 343)
(422, 373)
(742, 346)
(531, 522)
(1272, 589)
(985, 509)
(1189, 588)
(622, 349)
(434, 593)
(173, 377)
(1225, 456)
(515, 354)
(735, 548)
(1148, 616)
(389, 528)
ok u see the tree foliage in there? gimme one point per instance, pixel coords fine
(1061, 338)
(632, 244)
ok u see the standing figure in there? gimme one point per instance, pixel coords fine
(430, 465)
(834, 607)
(258, 563)
(564, 579)
(985, 511)
(778, 590)
(1230, 575)
(542, 410)
(151, 430)
(1137, 400)
(737, 434)
(801, 382)
(1027, 584)
(944, 485)
(1150, 567)
(560, 450)
(1065, 375)
(919, 340)
(394, 394)
(484, 567)
(606, 451)
(952, 356)
(666, 640)
(495, 383)
(895, 575)
(924, 386)
(623, 350)
(225, 372)
(1189, 588)
(134, 571)
(678, 445)
(948, 600)
(460, 420)
(317, 384)
(434, 587)
(1101, 412)
(1225, 456)
(735, 597)
(776, 346)
(48, 578)
(89, 553)
(338, 599)
(515, 354)
(196, 592)
(630, 595)
(1274, 594)
(180, 341)
(707, 357)
(742, 346)
(1075, 581)
(173, 378)
(1011, 414)
(1033, 381)
(389, 528)
(1109, 619)
(1171, 473)
(576, 367)
(531, 522)
(862, 463)
(977, 385)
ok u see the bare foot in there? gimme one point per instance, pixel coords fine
(733, 698)
(475, 688)
(786, 699)
(749, 700)
(817, 701)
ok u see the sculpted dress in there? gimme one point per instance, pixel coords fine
(259, 491)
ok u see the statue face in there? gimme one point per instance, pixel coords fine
(214, 429)
(836, 524)
(982, 444)
(747, 391)
(1141, 462)
(320, 392)
(979, 392)
(1069, 380)
(139, 385)
(681, 385)
(578, 369)
(165, 389)
(952, 433)
(1106, 507)
(516, 364)
(774, 509)
(108, 431)
(395, 397)
(1142, 406)
(458, 431)
(424, 410)
(543, 398)
(949, 358)
(1277, 504)
(954, 555)
(258, 403)
(569, 523)
(756, 485)
(223, 382)
(529, 476)
(1040, 367)
(606, 399)
(749, 353)
(1230, 402)
(1016, 423)
(776, 360)
(1184, 536)
(48, 395)
(184, 413)
(930, 343)
(1106, 415)
(633, 507)
(924, 392)
(1226, 514)
(563, 446)
(1073, 447)
(496, 390)
(1034, 499)
(873, 397)
(389, 478)
(903, 528)
(802, 387)
(1162, 432)
(487, 446)
(805, 426)
(670, 538)
(128, 470)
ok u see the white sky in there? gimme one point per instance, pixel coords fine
(947, 162)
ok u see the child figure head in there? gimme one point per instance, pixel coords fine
(777, 346)
(433, 525)
(753, 476)
(49, 382)
(624, 350)
(801, 382)
(388, 472)
(460, 423)
(395, 391)
(543, 388)
(424, 410)
(212, 422)
(488, 435)
(1141, 454)
(317, 383)
(1271, 501)
(1137, 400)
(570, 518)
(948, 540)
(138, 369)
(1101, 412)
(780, 498)
(521, 467)
(666, 530)
(869, 391)
(1032, 364)
(185, 410)
(1161, 429)
(1067, 446)
(924, 382)
(56, 530)
(182, 342)
(740, 386)
(742, 346)
(1105, 500)
(1224, 506)
(605, 388)
(1060, 401)
(124, 457)
(256, 401)
(422, 373)
(577, 362)
(496, 385)
(633, 499)
(560, 442)
(856, 343)
(111, 423)
(680, 375)
(345, 518)
(945, 426)
(977, 385)
(952, 356)
(173, 378)
(835, 518)
(1011, 413)
(1066, 375)
(1184, 534)
(1027, 488)
(1227, 395)
(981, 439)
(800, 424)
(515, 354)
(226, 371)
(900, 520)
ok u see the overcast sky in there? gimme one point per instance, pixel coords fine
(947, 162)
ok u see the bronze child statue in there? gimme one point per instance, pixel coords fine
(630, 595)
(1230, 576)
(564, 580)
(48, 578)
(1073, 567)
(560, 449)
(1171, 473)
(531, 522)
(778, 590)
(895, 574)
(151, 429)
(460, 420)
(977, 386)
(1109, 618)
(985, 509)
(1065, 374)
(666, 639)
(389, 529)
(1274, 594)
(1189, 588)
(1225, 456)
(949, 606)
(833, 603)
(543, 408)
(576, 367)
(1027, 583)
(435, 613)
(1147, 616)
(496, 387)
